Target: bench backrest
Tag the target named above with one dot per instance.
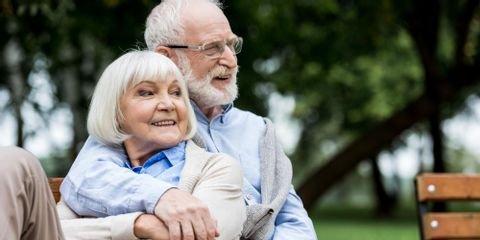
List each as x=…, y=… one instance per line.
x=447, y=187
x=55, y=187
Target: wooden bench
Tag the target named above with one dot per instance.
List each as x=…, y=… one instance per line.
x=55, y=187
x=447, y=187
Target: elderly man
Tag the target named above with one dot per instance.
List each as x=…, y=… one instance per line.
x=197, y=36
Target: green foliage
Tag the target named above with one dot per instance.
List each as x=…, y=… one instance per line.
x=348, y=64
x=55, y=164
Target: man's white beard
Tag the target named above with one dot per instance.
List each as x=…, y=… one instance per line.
x=202, y=92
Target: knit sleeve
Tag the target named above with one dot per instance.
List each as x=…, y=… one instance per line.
x=118, y=227
x=220, y=188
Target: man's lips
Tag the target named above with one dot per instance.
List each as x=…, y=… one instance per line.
x=222, y=77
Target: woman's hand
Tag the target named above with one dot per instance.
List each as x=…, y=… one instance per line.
x=185, y=216
x=148, y=226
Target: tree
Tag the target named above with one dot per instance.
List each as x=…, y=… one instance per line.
x=442, y=85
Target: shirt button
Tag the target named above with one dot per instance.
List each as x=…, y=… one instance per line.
x=249, y=198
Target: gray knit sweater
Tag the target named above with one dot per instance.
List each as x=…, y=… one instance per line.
x=276, y=180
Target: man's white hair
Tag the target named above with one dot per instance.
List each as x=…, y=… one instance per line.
x=164, y=25
x=105, y=116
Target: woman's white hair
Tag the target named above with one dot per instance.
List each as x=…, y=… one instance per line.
x=164, y=25
x=105, y=115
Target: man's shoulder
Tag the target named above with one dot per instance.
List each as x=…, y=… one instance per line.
x=247, y=115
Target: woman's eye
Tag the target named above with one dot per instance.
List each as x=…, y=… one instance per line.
x=177, y=93
x=145, y=93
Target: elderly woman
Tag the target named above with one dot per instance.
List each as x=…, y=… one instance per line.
x=141, y=107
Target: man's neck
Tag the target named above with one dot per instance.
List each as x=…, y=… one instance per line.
x=211, y=112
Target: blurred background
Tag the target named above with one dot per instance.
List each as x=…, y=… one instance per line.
x=364, y=94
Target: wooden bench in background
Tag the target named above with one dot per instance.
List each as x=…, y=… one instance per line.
x=55, y=187
x=447, y=187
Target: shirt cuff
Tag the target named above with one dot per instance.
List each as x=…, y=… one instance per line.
x=122, y=226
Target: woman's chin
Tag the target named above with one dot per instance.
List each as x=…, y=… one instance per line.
x=155, y=140
x=167, y=142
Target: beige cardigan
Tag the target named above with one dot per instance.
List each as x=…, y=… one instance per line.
x=214, y=178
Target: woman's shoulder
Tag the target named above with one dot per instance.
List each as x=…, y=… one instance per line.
x=211, y=160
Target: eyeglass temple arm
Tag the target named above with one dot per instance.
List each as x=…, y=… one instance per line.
x=177, y=46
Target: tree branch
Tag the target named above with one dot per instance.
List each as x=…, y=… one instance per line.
x=381, y=136
x=462, y=27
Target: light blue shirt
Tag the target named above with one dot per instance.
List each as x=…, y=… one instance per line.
x=165, y=165
x=101, y=182
x=238, y=133
x=96, y=186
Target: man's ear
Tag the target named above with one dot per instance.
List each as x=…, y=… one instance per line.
x=166, y=51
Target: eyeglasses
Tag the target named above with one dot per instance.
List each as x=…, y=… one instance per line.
x=215, y=49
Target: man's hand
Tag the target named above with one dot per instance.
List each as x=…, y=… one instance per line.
x=148, y=226
x=185, y=216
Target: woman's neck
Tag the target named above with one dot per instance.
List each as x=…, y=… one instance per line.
x=138, y=153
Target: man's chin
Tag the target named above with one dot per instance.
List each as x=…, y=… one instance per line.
x=214, y=100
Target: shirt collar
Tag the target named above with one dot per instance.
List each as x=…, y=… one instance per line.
x=176, y=154
x=173, y=155
x=203, y=119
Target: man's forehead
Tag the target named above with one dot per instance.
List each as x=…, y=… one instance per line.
x=204, y=21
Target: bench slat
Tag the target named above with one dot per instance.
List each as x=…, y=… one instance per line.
x=451, y=225
x=441, y=187
x=55, y=187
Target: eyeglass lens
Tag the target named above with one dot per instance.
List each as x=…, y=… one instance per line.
x=217, y=47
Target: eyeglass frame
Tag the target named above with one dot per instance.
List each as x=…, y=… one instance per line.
x=201, y=47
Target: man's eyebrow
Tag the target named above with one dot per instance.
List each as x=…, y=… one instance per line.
x=214, y=39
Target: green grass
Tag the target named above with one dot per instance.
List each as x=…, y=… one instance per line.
x=358, y=224
x=366, y=230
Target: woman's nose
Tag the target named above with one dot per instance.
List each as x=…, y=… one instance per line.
x=165, y=104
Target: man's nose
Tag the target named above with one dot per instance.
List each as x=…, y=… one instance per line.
x=228, y=58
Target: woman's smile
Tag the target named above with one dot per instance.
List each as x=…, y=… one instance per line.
x=164, y=123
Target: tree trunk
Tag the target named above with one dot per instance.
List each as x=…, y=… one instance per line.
x=385, y=202
x=17, y=87
x=20, y=123
x=381, y=136
x=437, y=148
x=368, y=144
x=74, y=98
x=79, y=131
x=307, y=146
x=437, y=141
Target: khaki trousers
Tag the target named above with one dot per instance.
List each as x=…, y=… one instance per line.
x=27, y=206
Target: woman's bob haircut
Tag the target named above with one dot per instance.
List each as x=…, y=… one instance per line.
x=105, y=115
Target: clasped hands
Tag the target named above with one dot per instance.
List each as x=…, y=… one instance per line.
x=177, y=216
